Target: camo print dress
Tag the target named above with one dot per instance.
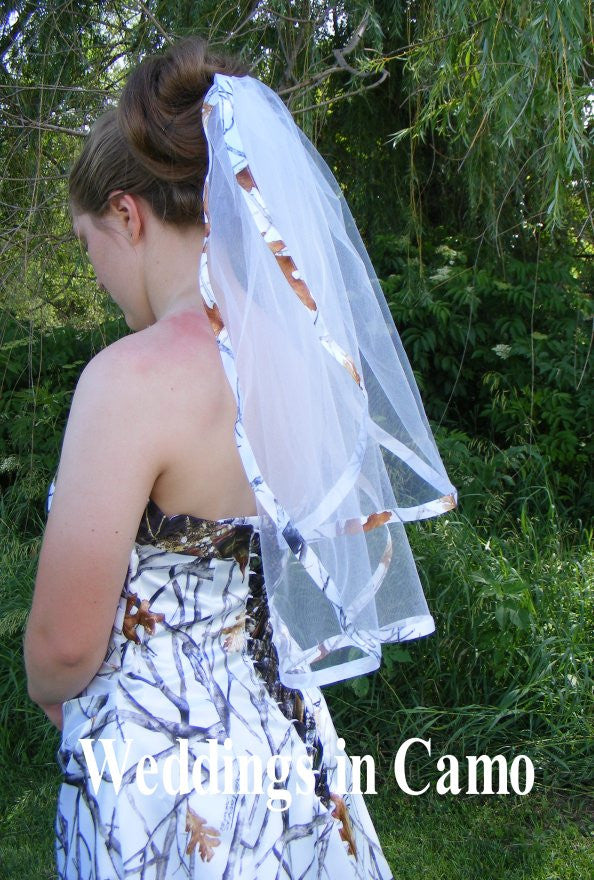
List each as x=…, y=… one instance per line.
x=165, y=754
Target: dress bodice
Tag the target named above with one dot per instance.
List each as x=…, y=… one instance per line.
x=187, y=534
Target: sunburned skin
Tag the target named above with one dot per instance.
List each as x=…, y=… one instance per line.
x=180, y=333
x=180, y=370
x=177, y=336
x=199, y=421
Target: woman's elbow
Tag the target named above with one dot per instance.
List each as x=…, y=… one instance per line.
x=56, y=671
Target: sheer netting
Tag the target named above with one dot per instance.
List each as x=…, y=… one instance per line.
x=330, y=424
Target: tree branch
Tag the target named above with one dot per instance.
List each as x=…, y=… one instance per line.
x=47, y=126
x=374, y=85
x=156, y=23
x=341, y=63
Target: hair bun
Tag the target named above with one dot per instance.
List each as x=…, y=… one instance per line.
x=153, y=145
x=160, y=109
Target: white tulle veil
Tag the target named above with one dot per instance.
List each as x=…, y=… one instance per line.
x=330, y=427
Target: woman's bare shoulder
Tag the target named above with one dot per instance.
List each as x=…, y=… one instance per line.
x=157, y=358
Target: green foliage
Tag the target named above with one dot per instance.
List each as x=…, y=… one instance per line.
x=500, y=352
x=39, y=372
x=503, y=90
x=22, y=736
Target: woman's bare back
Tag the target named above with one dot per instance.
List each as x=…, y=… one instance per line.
x=195, y=417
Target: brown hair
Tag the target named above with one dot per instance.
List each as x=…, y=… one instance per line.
x=153, y=144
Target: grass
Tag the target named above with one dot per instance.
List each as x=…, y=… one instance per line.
x=491, y=838
x=26, y=822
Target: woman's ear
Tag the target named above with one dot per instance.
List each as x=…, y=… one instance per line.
x=127, y=210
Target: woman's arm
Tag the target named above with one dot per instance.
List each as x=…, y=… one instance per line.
x=109, y=463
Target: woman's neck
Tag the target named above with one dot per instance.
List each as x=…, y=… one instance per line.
x=171, y=267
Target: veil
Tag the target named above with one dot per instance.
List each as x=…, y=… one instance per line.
x=330, y=425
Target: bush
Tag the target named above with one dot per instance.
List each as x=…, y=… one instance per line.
x=500, y=352
x=40, y=371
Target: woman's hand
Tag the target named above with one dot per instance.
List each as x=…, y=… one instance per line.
x=109, y=463
x=54, y=713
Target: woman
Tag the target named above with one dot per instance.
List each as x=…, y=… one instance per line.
x=253, y=397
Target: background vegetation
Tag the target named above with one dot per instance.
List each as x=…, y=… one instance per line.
x=461, y=133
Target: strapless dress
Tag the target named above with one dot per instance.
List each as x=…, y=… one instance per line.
x=185, y=756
